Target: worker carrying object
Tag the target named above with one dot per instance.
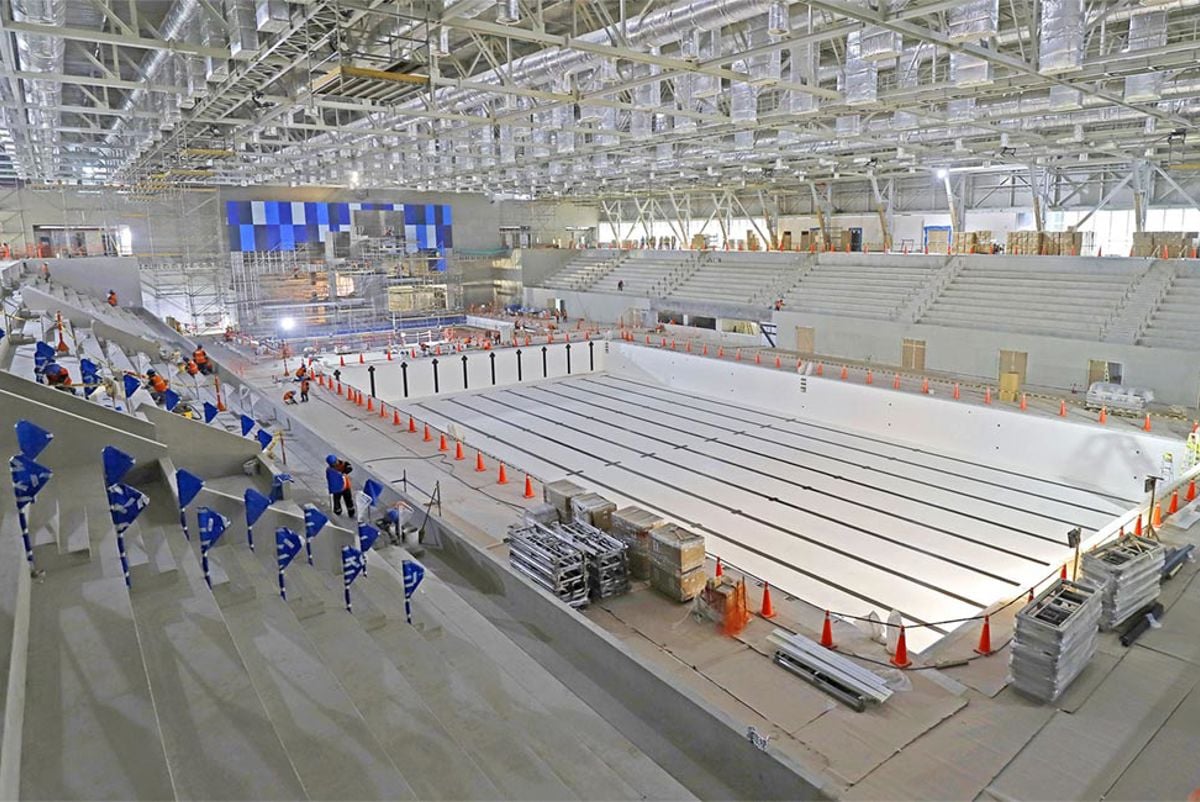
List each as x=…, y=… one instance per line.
x=201, y=360
x=337, y=477
x=57, y=376
x=289, y=397
x=157, y=386
x=301, y=372
x=305, y=384
x=112, y=298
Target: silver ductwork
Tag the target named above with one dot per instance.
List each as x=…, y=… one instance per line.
x=1060, y=49
x=860, y=80
x=40, y=53
x=1146, y=33
x=243, y=26
x=271, y=16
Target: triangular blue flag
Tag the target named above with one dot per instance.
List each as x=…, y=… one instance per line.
x=2, y=334
x=116, y=464
x=287, y=546
x=87, y=367
x=125, y=503
x=42, y=351
x=374, y=490
x=132, y=384
x=314, y=521
x=256, y=505
x=264, y=438
x=210, y=412
x=413, y=574
x=32, y=439
x=212, y=525
x=171, y=400
x=247, y=424
x=367, y=535
x=189, y=485
x=28, y=478
x=352, y=565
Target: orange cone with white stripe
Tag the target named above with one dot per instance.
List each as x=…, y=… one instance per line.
x=985, y=637
x=827, y=633
x=442, y=443
x=900, y=658
x=1062, y=409
x=528, y=487
x=1146, y=425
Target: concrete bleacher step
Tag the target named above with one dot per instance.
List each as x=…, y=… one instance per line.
x=218, y=738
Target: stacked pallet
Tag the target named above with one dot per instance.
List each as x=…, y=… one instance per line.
x=1127, y=573
x=938, y=241
x=1164, y=244
x=1024, y=243
x=676, y=562
x=550, y=561
x=1054, y=639
x=632, y=526
x=972, y=242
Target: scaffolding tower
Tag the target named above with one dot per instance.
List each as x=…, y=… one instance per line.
x=195, y=294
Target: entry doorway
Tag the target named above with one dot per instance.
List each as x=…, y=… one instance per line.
x=1101, y=370
x=806, y=338
x=1012, y=373
x=856, y=241
x=912, y=354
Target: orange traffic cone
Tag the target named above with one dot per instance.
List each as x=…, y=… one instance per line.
x=778, y=363
x=1063, y=573
x=458, y=450
x=768, y=610
x=896, y=382
x=342, y=360
x=758, y=358
x=528, y=487
x=396, y=418
x=428, y=435
x=382, y=410
x=1062, y=409
x=361, y=361
x=738, y=355
x=925, y=386
x=1137, y=529
x=704, y=350
x=985, y=637
x=900, y=658
x=870, y=377
x=1029, y=598
x=502, y=479
x=1146, y=425
x=479, y=466
x=1158, y=516
x=720, y=352
x=370, y=406
x=827, y=633
x=412, y=425
x=1174, y=508
x=987, y=395
x=1103, y=415
x=720, y=570
x=1191, y=491
x=845, y=373
x=957, y=392
x=442, y=443
x=820, y=368
x=339, y=388
x=1024, y=402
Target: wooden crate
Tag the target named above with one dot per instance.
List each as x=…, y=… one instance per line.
x=676, y=548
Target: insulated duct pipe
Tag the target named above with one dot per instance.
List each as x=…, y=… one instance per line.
x=42, y=53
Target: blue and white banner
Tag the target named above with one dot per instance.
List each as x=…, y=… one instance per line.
x=28, y=478
x=353, y=563
x=264, y=438
x=212, y=525
x=247, y=424
x=256, y=505
x=132, y=384
x=42, y=353
x=414, y=572
x=277, y=483
x=188, y=485
x=373, y=490
x=32, y=439
x=90, y=375
x=287, y=546
x=125, y=504
x=116, y=464
x=367, y=535
x=171, y=400
x=314, y=521
x=210, y=412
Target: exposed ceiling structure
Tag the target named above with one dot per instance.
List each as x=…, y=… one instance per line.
x=592, y=99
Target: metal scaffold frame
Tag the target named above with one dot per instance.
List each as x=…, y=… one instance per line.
x=195, y=293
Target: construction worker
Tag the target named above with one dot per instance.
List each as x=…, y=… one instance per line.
x=157, y=386
x=46, y=272
x=289, y=397
x=337, y=478
x=201, y=360
x=304, y=385
x=112, y=298
x=57, y=377
x=301, y=372
x=190, y=367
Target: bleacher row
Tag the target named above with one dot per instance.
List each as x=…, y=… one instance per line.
x=1068, y=297
x=165, y=687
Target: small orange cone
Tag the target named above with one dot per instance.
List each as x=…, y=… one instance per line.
x=720, y=352
x=1158, y=514
x=412, y=425
x=339, y=388
x=738, y=355
x=820, y=368
x=1063, y=573
x=396, y=418
x=1062, y=409
x=479, y=466
x=758, y=358
x=870, y=377
x=361, y=361
x=845, y=373
x=458, y=450
x=1191, y=491
x=985, y=637
x=1146, y=425
x=768, y=610
x=502, y=479
x=1024, y=402
x=925, y=386
x=1103, y=415
x=442, y=443
x=900, y=658
x=1137, y=529
x=957, y=392
x=370, y=406
x=1174, y=508
x=389, y=355
x=896, y=382
x=528, y=487
x=987, y=395
x=1029, y=598
x=342, y=359
x=704, y=350
x=720, y=570
x=382, y=410
x=428, y=435
x=827, y=633
x=778, y=363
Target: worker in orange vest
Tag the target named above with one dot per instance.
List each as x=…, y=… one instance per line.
x=304, y=386
x=112, y=298
x=157, y=386
x=201, y=360
x=190, y=367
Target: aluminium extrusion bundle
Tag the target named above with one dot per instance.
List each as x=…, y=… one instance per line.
x=840, y=677
x=1128, y=573
x=1054, y=638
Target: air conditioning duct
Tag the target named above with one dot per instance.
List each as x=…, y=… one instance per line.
x=778, y=21
x=40, y=53
x=271, y=16
x=1146, y=32
x=974, y=20
x=243, y=33
x=908, y=73
x=508, y=12
x=969, y=70
x=1060, y=49
x=212, y=34
x=860, y=81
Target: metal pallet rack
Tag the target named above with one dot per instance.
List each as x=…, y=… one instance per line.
x=545, y=557
x=1054, y=639
x=606, y=559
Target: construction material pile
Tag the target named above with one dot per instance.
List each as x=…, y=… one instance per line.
x=549, y=560
x=560, y=494
x=604, y=557
x=632, y=526
x=676, y=562
x=1127, y=573
x=1054, y=639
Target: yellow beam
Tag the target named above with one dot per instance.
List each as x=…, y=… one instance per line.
x=350, y=71
x=206, y=152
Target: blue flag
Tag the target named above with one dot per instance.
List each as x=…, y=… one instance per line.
x=256, y=505
x=42, y=353
x=28, y=478
x=189, y=485
x=352, y=565
x=210, y=412
x=132, y=384
x=247, y=424
x=90, y=375
x=125, y=503
x=264, y=438
x=367, y=535
x=413, y=574
x=116, y=464
x=171, y=400
x=277, y=483
x=32, y=439
x=314, y=521
x=212, y=525
x=87, y=367
x=374, y=490
x=287, y=546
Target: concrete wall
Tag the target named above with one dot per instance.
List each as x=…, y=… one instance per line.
x=198, y=447
x=539, y=263
x=591, y=305
x=96, y=275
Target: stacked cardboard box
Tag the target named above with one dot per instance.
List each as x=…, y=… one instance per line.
x=1024, y=243
x=938, y=241
x=972, y=242
x=593, y=509
x=632, y=526
x=1174, y=244
x=676, y=562
x=560, y=494
x=1066, y=243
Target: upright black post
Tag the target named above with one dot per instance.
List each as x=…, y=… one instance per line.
x=404, y=376
x=492, y=357
x=545, y=369
x=519, y=377
x=371, y=373
x=435, y=375
x=591, y=355
x=568, y=361
x=464, y=358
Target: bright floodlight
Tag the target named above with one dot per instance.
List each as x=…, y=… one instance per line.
x=287, y=323
x=941, y=173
